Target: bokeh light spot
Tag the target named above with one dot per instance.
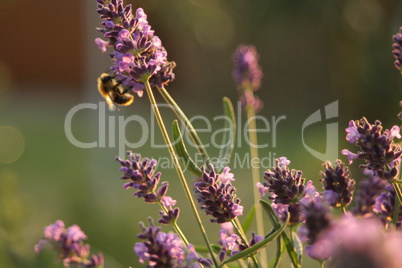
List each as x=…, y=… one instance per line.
x=12, y=144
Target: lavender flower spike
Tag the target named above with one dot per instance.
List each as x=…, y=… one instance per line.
x=69, y=245
x=138, y=54
x=159, y=249
x=216, y=197
x=358, y=242
x=141, y=176
x=247, y=72
x=166, y=249
x=247, y=75
x=338, y=183
x=367, y=192
x=286, y=185
x=397, y=50
x=377, y=148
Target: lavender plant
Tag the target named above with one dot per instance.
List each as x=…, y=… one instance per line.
x=69, y=245
x=301, y=217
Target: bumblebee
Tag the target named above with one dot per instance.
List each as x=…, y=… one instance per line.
x=113, y=91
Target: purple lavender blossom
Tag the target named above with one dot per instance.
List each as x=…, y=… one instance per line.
x=385, y=205
x=247, y=72
x=159, y=249
x=228, y=240
x=216, y=197
x=69, y=245
x=338, y=183
x=138, y=54
x=247, y=75
x=366, y=194
x=141, y=176
x=166, y=249
x=172, y=213
x=397, y=49
x=286, y=185
x=357, y=242
x=377, y=148
x=249, y=99
x=286, y=188
x=316, y=216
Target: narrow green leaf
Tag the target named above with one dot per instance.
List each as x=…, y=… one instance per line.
x=280, y=249
x=271, y=213
x=181, y=151
x=276, y=223
x=249, y=219
x=297, y=244
x=201, y=249
x=228, y=136
x=251, y=250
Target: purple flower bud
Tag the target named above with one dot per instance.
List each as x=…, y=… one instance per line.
x=225, y=176
x=261, y=188
x=353, y=134
x=102, y=44
x=167, y=201
x=54, y=231
x=75, y=234
x=351, y=156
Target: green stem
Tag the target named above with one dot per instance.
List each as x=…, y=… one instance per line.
x=255, y=172
x=397, y=192
x=175, y=225
x=396, y=212
x=343, y=209
x=178, y=167
x=182, y=116
x=322, y=264
x=239, y=229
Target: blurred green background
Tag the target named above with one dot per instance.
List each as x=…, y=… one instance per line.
x=312, y=53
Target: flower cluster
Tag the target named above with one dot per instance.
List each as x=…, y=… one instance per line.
x=378, y=149
x=217, y=195
x=286, y=185
x=367, y=192
x=138, y=54
x=357, y=242
x=69, y=245
x=165, y=249
x=286, y=188
x=338, y=184
x=247, y=75
x=231, y=243
x=316, y=219
x=142, y=177
x=385, y=205
x=316, y=216
x=228, y=240
x=397, y=52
